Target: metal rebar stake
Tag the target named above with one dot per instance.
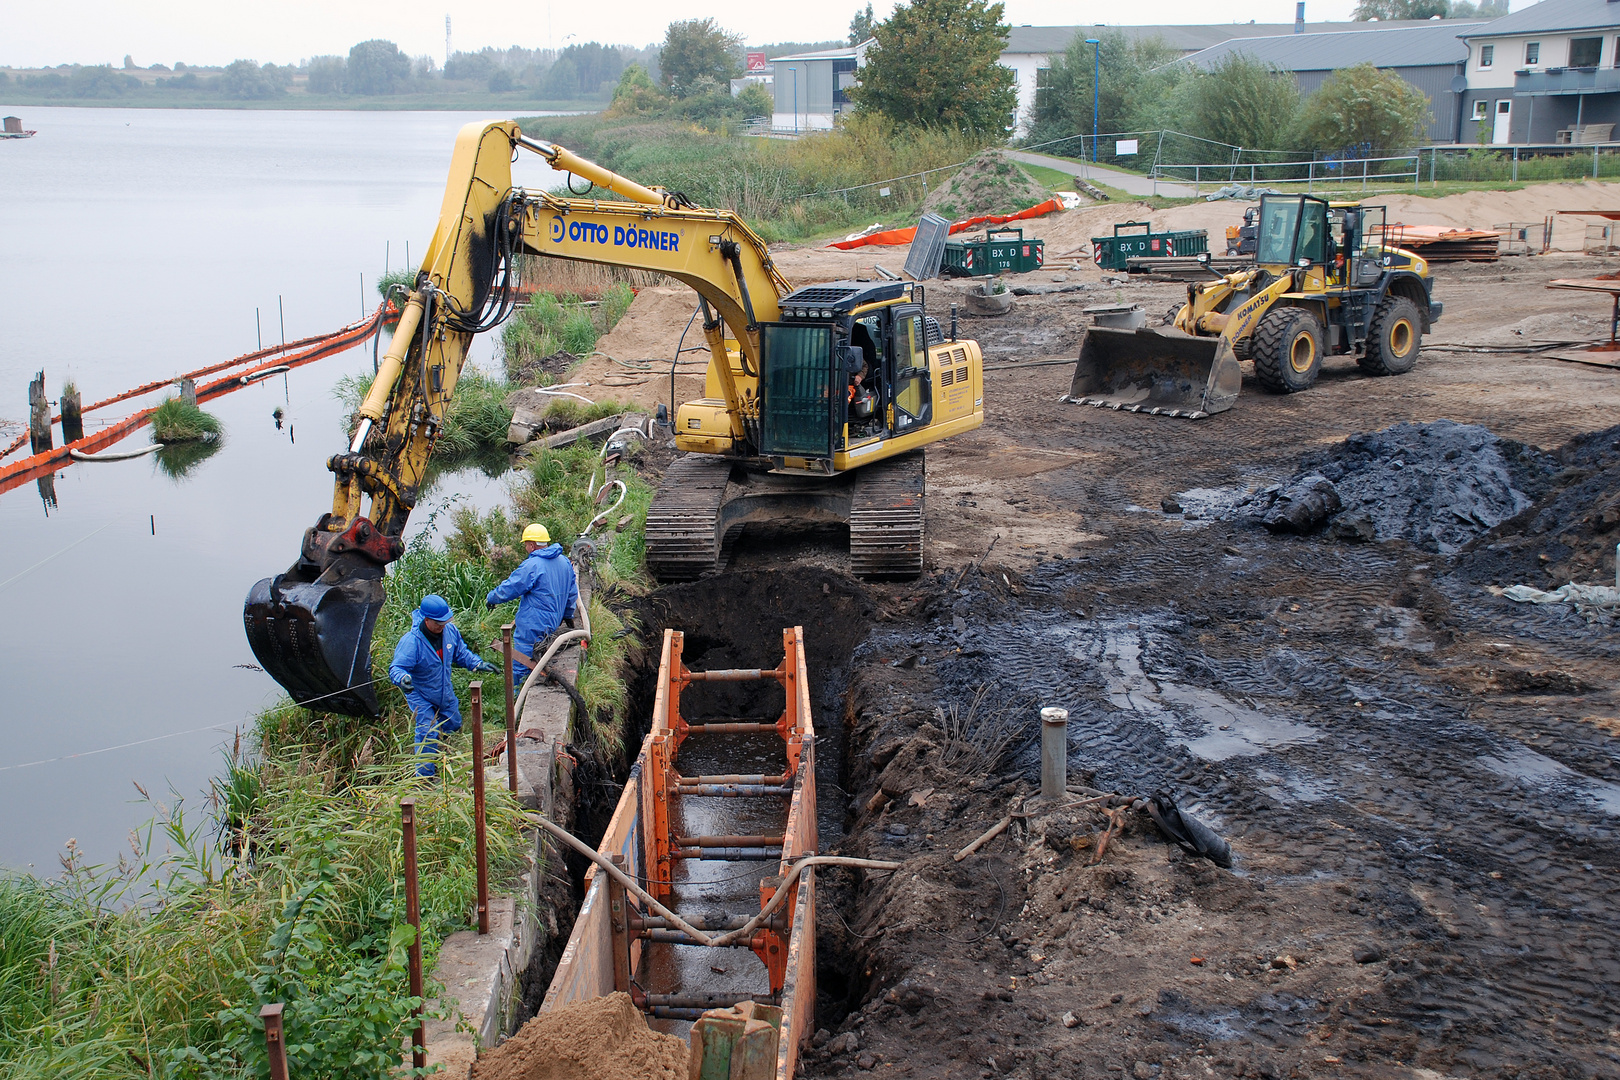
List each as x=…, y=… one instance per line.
x=413, y=915
x=511, y=717
x=480, y=841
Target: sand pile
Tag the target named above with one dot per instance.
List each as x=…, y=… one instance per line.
x=645, y=340
x=603, y=1038
x=990, y=183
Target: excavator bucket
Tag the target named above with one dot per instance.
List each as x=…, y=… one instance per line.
x=312, y=634
x=1165, y=373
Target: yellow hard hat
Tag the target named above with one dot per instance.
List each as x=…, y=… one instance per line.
x=537, y=533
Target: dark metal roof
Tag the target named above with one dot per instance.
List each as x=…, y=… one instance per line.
x=1054, y=39
x=1423, y=44
x=1554, y=15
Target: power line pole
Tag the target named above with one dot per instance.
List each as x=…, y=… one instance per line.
x=447, y=40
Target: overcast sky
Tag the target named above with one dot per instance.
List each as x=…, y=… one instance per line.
x=285, y=31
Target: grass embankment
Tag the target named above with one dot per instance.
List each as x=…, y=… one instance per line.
x=786, y=189
x=293, y=890
x=177, y=421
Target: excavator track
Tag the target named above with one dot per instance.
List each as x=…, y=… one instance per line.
x=683, y=521
x=886, y=518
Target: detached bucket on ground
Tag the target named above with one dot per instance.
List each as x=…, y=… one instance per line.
x=1163, y=373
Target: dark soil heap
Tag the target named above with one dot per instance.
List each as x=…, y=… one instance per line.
x=1438, y=486
x=1569, y=533
x=604, y=1038
x=990, y=183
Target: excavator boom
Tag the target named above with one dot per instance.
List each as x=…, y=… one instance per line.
x=311, y=626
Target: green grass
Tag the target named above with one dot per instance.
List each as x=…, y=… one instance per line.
x=475, y=424
x=549, y=324
x=176, y=421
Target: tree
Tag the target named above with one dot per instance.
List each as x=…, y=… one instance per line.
x=326, y=74
x=1385, y=10
x=1361, y=110
x=695, y=48
x=245, y=80
x=635, y=93
x=501, y=81
x=1138, y=90
x=755, y=100
x=584, y=70
x=1485, y=9
x=937, y=62
x=1242, y=102
x=377, y=67
x=860, y=27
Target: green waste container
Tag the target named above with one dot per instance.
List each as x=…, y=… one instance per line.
x=998, y=251
x=1137, y=240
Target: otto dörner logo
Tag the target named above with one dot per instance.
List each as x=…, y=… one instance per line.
x=589, y=232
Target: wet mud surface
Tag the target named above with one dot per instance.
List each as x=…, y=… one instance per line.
x=1420, y=780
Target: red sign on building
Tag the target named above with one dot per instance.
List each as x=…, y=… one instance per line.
x=757, y=61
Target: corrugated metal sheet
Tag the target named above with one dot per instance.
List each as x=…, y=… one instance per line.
x=1553, y=15
x=1420, y=45
x=1054, y=39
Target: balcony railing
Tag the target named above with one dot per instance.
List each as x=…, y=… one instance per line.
x=1567, y=80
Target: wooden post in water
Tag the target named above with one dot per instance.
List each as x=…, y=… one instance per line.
x=413, y=915
x=275, y=1042
x=511, y=716
x=188, y=391
x=479, y=839
x=39, y=415
x=72, y=417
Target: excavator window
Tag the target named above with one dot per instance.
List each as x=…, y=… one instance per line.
x=802, y=390
x=912, y=397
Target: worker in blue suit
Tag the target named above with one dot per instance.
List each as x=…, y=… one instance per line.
x=547, y=591
x=421, y=668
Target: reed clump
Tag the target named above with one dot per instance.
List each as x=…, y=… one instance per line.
x=177, y=420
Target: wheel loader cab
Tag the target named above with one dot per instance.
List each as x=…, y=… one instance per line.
x=1293, y=231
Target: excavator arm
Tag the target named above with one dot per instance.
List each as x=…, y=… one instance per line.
x=311, y=627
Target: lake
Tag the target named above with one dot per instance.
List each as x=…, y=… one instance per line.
x=138, y=244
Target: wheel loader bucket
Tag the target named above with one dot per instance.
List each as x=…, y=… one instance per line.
x=314, y=636
x=1165, y=373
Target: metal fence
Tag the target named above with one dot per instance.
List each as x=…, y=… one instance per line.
x=1402, y=169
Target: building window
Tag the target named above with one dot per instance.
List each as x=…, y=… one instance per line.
x=1532, y=52
x=1487, y=54
x=1481, y=109
x=843, y=79
x=1585, y=52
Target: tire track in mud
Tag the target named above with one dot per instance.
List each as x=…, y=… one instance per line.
x=1310, y=721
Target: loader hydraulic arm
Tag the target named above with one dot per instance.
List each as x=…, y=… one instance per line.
x=311, y=627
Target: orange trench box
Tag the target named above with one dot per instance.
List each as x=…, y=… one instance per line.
x=615, y=944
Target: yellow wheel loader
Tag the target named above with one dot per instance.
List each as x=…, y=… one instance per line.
x=1325, y=281
x=818, y=401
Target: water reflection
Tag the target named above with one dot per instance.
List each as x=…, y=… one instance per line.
x=47, y=492
x=178, y=460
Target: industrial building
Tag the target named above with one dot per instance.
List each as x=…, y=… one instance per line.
x=1547, y=74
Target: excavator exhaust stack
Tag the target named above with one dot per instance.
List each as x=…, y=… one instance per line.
x=311, y=630
x=1162, y=373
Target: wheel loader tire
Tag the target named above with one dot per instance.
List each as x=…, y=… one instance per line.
x=1393, y=339
x=1287, y=351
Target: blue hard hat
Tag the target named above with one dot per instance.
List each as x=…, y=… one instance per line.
x=435, y=607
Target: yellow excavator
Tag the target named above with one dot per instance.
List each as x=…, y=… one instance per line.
x=1328, y=278
x=818, y=401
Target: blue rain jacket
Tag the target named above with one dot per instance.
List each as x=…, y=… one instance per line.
x=549, y=593
x=431, y=691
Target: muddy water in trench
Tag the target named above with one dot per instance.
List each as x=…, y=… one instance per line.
x=138, y=244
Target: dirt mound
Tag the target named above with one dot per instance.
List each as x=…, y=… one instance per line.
x=990, y=183
x=601, y=1039
x=1569, y=533
x=631, y=362
x=1438, y=486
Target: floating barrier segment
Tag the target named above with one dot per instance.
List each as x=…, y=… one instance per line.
x=609, y=948
x=264, y=362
